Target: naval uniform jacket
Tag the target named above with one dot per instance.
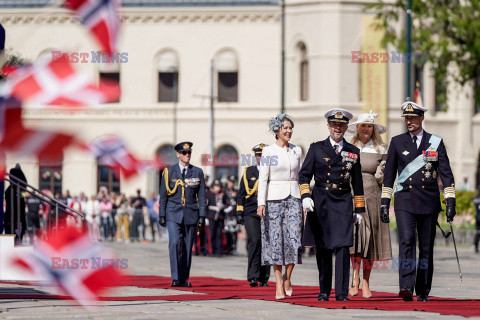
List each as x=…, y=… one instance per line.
x=331, y=223
x=419, y=192
x=182, y=200
x=247, y=192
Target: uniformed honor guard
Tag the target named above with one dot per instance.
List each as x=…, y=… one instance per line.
x=418, y=157
x=182, y=207
x=247, y=213
x=335, y=165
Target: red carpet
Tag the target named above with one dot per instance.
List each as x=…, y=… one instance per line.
x=217, y=289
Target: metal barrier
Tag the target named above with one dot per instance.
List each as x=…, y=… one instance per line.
x=22, y=185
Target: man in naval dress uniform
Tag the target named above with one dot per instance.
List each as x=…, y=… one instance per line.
x=247, y=213
x=182, y=206
x=419, y=158
x=335, y=165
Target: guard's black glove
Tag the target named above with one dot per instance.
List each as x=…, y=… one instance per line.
x=240, y=219
x=162, y=221
x=450, y=213
x=384, y=215
x=201, y=222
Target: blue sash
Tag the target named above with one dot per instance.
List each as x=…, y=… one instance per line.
x=417, y=163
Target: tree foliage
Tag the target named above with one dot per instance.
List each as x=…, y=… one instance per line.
x=448, y=31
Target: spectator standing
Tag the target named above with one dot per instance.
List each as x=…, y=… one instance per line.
x=152, y=214
x=123, y=218
x=137, y=225
x=105, y=208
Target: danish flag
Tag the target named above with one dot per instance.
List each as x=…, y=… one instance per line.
x=112, y=151
x=57, y=83
x=69, y=261
x=101, y=18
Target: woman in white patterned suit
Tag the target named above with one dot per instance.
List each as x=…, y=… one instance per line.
x=279, y=204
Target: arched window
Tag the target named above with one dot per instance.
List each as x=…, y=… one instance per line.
x=165, y=156
x=303, y=68
x=51, y=175
x=227, y=163
x=109, y=74
x=226, y=65
x=167, y=67
x=107, y=177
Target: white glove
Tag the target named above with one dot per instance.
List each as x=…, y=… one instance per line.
x=308, y=204
x=357, y=218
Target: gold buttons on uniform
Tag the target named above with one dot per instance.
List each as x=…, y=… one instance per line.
x=328, y=174
x=328, y=181
x=423, y=179
x=410, y=179
x=411, y=187
x=339, y=188
x=343, y=168
x=423, y=171
x=329, y=167
x=423, y=187
x=326, y=188
x=341, y=175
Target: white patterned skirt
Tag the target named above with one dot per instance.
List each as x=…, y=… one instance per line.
x=282, y=232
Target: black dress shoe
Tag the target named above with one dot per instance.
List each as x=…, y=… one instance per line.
x=423, y=298
x=175, y=283
x=323, y=297
x=406, y=294
x=185, y=284
x=264, y=283
x=253, y=283
x=342, y=298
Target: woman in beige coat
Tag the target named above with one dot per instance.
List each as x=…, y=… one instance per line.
x=374, y=236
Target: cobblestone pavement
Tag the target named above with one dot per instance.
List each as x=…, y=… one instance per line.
x=152, y=259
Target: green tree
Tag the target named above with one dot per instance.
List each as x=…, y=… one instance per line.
x=447, y=31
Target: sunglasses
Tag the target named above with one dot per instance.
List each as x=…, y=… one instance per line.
x=186, y=152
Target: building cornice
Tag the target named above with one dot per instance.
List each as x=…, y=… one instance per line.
x=141, y=16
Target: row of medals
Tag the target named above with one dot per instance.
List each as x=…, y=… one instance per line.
x=428, y=174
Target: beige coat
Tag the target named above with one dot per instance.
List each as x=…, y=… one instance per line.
x=374, y=236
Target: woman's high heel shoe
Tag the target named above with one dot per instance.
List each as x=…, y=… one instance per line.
x=287, y=292
x=280, y=297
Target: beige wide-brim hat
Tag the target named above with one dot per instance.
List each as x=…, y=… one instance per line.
x=368, y=118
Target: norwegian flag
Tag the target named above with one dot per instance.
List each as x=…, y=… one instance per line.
x=15, y=138
x=43, y=144
x=57, y=83
x=69, y=261
x=101, y=18
x=112, y=151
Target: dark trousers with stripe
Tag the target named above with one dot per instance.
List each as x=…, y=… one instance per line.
x=416, y=273
x=255, y=269
x=180, y=246
x=325, y=268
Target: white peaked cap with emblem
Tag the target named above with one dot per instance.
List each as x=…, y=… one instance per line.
x=367, y=118
x=410, y=108
x=338, y=115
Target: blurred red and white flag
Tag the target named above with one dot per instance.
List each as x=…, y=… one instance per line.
x=68, y=261
x=15, y=138
x=45, y=145
x=101, y=18
x=56, y=82
x=112, y=151
x=10, y=117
